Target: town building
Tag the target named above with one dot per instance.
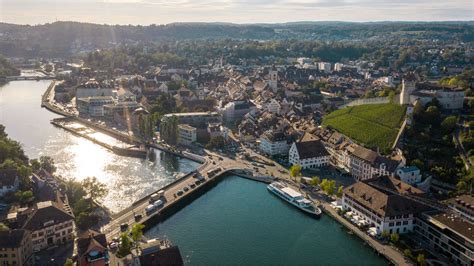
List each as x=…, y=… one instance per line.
x=186, y=134
x=366, y=164
x=409, y=174
x=236, y=110
x=325, y=67
x=273, y=106
x=308, y=152
x=92, y=249
x=274, y=143
x=449, y=97
x=16, y=247
x=380, y=209
x=48, y=222
x=273, y=82
x=449, y=234
x=197, y=119
x=93, y=106
x=9, y=181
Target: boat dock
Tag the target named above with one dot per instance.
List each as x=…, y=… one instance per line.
x=118, y=147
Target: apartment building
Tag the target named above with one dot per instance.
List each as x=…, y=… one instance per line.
x=16, y=247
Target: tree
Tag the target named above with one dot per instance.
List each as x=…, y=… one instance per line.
x=69, y=262
x=4, y=227
x=315, y=180
x=137, y=232
x=47, y=163
x=421, y=259
x=385, y=234
x=328, y=186
x=35, y=165
x=125, y=245
x=295, y=170
x=94, y=189
x=449, y=124
x=340, y=191
x=433, y=115
x=394, y=238
x=407, y=253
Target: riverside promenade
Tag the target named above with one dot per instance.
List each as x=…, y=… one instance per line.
x=392, y=254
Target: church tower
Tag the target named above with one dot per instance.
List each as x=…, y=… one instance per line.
x=408, y=86
x=273, y=82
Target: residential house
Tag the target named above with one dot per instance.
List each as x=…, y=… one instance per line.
x=9, y=181
x=92, y=249
x=309, y=152
x=274, y=143
x=380, y=209
x=16, y=247
x=48, y=222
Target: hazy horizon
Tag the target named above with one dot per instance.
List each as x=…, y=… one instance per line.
x=146, y=12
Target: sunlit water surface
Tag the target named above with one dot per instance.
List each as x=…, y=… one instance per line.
x=127, y=179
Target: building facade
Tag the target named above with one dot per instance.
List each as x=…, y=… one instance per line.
x=93, y=106
x=16, y=247
x=186, y=134
x=274, y=143
x=309, y=153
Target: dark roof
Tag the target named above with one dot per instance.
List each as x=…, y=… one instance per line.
x=168, y=256
x=381, y=203
x=311, y=149
x=7, y=177
x=44, y=212
x=84, y=241
x=393, y=184
x=12, y=238
x=450, y=222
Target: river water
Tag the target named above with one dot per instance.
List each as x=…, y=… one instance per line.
x=127, y=179
x=237, y=222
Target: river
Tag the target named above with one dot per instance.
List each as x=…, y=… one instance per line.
x=127, y=179
x=237, y=222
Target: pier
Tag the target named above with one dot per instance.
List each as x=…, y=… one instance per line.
x=77, y=128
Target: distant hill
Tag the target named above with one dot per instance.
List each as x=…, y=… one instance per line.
x=373, y=125
x=62, y=38
x=7, y=69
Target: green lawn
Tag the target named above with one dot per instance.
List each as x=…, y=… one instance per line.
x=371, y=125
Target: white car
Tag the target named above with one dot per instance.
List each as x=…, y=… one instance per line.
x=158, y=203
x=150, y=208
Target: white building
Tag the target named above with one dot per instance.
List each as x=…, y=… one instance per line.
x=310, y=154
x=9, y=182
x=366, y=164
x=450, y=98
x=93, y=106
x=273, y=107
x=338, y=66
x=236, y=110
x=304, y=60
x=274, y=143
x=273, y=82
x=186, y=134
x=383, y=211
x=325, y=67
x=49, y=223
x=409, y=174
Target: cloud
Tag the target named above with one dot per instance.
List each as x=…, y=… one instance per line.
x=239, y=11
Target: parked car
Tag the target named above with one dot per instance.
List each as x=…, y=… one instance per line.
x=179, y=193
x=138, y=217
x=123, y=227
x=192, y=185
x=186, y=189
x=158, y=203
x=113, y=245
x=150, y=208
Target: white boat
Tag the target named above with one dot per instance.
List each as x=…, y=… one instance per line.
x=294, y=197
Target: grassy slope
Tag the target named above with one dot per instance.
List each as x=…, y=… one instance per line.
x=371, y=125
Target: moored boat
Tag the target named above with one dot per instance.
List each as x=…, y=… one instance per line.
x=293, y=197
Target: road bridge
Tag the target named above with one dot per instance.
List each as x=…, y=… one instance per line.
x=211, y=170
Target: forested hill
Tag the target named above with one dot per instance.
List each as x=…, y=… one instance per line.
x=62, y=37
x=7, y=69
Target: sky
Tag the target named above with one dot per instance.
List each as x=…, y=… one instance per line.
x=146, y=12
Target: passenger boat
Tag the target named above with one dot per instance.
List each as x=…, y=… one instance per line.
x=294, y=198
